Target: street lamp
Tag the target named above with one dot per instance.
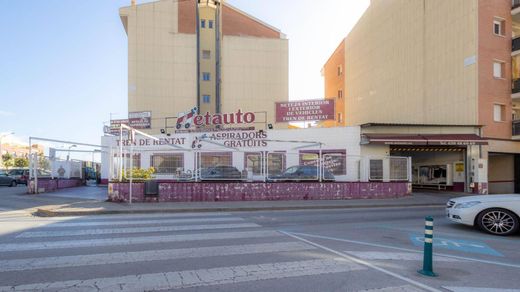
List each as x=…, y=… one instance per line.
x=68, y=154
x=2, y=136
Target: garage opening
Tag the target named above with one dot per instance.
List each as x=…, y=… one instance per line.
x=440, y=168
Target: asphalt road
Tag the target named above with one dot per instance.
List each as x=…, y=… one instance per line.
x=313, y=250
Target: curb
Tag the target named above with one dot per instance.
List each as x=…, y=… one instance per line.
x=52, y=213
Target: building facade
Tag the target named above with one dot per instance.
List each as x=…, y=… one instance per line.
x=432, y=80
x=205, y=54
x=333, y=73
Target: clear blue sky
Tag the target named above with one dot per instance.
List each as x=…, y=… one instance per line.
x=63, y=63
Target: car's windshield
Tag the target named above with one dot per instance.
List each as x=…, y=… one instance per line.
x=291, y=170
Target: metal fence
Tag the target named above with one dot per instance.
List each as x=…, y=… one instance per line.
x=264, y=166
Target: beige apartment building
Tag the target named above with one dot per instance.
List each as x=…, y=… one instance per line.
x=437, y=80
x=207, y=54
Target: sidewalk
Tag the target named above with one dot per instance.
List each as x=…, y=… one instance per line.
x=98, y=207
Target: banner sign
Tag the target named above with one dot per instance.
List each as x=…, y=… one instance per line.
x=305, y=110
x=136, y=120
x=140, y=120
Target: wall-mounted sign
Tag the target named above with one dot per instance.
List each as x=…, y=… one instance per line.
x=140, y=120
x=191, y=118
x=136, y=120
x=305, y=110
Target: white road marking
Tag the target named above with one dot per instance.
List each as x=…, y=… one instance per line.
x=142, y=222
x=145, y=215
x=410, y=250
x=32, y=234
x=405, y=288
x=398, y=256
x=476, y=289
x=148, y=255
x=364, y=263
x=197, y=278
x=119, y=241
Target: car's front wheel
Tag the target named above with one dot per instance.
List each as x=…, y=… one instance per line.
x=498, y=221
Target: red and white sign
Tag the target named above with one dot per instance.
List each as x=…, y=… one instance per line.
x=136, y=120
x=305, y=110
x=186, y=120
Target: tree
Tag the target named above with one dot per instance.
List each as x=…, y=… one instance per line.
x=7, y=160
x=21, y=162
x=43, y=162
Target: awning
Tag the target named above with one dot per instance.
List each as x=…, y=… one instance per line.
x=434, y=139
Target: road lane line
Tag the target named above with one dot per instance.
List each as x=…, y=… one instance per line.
x=477, y=289
x=33, y=234
x=141, y=222
x=398, y=256
x=408, y=249
x=120, y=241
x=140, y=215
x=197, y=278
x=405, y=288
x=148, y=255
x=364, y=263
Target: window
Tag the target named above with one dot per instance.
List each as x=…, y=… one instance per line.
x=254, y=163
x=498, y=112
x=167, y=163
x=499, y=27
x=203, y=23
x=206, y=54
x=206, y=99
x=340, y=93
x=210, y=23
x=276, y=163
x=340, y=70
x=498, y=69
x=136, y=163
x=216, y=159
x=205, y=76
x=340, y=117
x=334, y=161
x=376, y=169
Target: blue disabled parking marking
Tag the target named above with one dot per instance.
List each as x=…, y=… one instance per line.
x=471, y=246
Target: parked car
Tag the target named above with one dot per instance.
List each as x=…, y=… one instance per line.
x=495, y=214
x=20, y=174
x=220, y=172
x=302, y=173
x=6, y=180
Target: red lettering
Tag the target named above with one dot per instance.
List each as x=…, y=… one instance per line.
x=249, y=117
x=198, y=120
x=206, y=117
x=239, y=117
x=217, y=120
x=229, y=119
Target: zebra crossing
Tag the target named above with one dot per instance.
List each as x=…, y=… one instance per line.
x=157, y=252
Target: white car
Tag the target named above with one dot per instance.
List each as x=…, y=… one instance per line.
x=495, y=214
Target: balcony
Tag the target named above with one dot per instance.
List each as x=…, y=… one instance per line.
x=515, y=46
x=515, y=11
x=515, y=86
x=516, y=128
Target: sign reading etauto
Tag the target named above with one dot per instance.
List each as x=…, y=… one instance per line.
x=305, y=110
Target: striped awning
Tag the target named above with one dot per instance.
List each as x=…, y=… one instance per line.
x=434, y=139
x=425, y=149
